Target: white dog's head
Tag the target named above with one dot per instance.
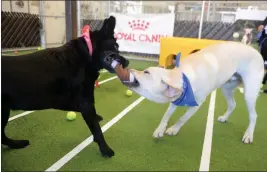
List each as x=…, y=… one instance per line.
x=248, y=31
x=158, y=84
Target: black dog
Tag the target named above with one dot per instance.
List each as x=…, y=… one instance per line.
x=262, y=40
x=60, y=78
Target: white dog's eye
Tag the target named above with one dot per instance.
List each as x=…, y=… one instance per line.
x=146, y=72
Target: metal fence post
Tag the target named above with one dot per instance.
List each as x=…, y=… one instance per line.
x=208, y=13
x=74, y=22
x=68, y=20
x=42, y=31
x=201, y=20
x=78, y=18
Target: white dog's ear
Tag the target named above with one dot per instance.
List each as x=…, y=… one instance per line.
x=172, y=88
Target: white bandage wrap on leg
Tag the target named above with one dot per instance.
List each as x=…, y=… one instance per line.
x=114, y=64
x=131, y=79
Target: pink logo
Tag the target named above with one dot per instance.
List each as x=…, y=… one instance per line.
x=138, y=24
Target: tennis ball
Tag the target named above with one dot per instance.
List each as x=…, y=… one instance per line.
x=71, y=115
x=129, y=93
x=236, y=35
x=39, y=48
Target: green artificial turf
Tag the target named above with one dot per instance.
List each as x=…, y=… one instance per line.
x=135, y=148
x=228, y=152
x=22, y=52
x=52, y=136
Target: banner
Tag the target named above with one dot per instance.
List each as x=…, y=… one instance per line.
x=141, y=33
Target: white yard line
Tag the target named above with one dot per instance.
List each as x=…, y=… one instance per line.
x=29, y=112
x=61, y=162
x=20, y=115
x=106, y=80
x=206, y=151
x=8, y=55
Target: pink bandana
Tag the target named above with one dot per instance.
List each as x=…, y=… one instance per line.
x=86, y=36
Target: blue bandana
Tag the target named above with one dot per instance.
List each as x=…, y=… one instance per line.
x=187, y=98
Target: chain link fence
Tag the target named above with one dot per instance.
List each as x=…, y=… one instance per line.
x=32, y=24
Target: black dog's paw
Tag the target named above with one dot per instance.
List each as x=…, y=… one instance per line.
x=17, y=144
x=99, y=118
x=107, y=152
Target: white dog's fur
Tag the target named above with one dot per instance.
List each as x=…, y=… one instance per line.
x=225, y=65
x=247, y=38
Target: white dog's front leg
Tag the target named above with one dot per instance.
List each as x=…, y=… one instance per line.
x=159, y=132
x=173, y=130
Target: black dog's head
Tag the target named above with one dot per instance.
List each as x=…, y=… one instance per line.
x=105, y=46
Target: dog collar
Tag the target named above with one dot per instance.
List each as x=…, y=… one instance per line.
x=86, y=36
x=187, y=98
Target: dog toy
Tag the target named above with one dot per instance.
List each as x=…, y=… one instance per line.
x=129, y=93
x=39, y=48
x=71, y=116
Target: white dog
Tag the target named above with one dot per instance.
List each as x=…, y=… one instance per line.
x=224, y=65
x=247, y=38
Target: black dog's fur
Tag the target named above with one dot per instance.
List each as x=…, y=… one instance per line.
x=58, y=78
x=263, y=41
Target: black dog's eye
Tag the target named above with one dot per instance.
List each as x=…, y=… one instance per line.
x=146, y=72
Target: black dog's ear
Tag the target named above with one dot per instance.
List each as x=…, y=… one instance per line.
x=111, y=23
x=109, y=26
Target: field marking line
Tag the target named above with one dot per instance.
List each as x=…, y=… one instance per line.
x=61, y=162
x=8, y=55
x=206, y=151
x=20, y=115
x=29, y=112
x=106, y=80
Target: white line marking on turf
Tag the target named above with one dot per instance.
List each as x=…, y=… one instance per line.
x=106, y=80
x=56, y=166
x=206, y=151
x=29, y=112
x=20, y=115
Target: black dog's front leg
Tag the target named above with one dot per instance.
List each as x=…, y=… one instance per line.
x=89, y=115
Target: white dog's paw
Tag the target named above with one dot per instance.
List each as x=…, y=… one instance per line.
x=248, y=137
x=173, y=130
x=159, y=132
x=222, y=119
